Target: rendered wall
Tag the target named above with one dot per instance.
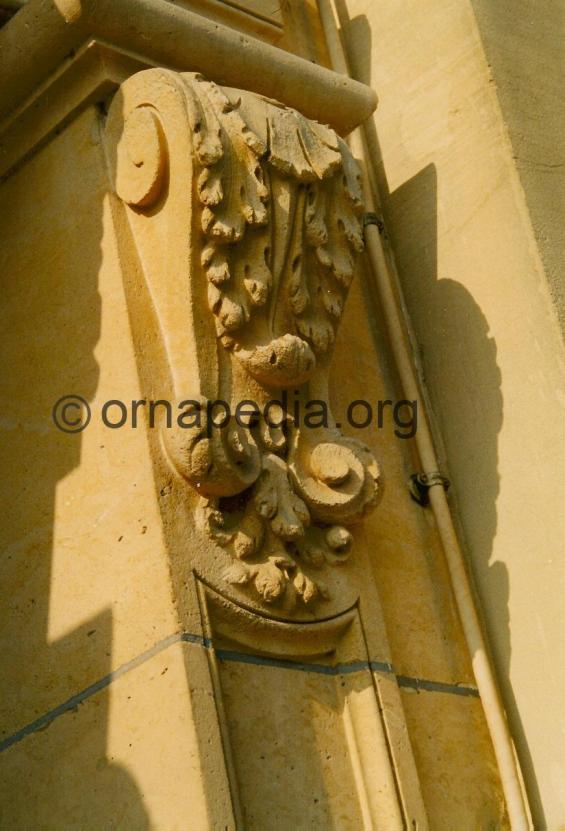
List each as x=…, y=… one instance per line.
x=472, y=219
x=523, y=44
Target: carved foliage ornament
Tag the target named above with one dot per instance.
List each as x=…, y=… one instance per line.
x=242, y=205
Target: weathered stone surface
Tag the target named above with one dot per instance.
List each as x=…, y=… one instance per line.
x=208, y=627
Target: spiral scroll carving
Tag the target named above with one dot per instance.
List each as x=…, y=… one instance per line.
x=142, y=158
x=273, y=231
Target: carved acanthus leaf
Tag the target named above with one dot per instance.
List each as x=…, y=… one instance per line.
x=284, y=526
x=280, y=200
x=272, y=206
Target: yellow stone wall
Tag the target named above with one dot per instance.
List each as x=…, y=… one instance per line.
x=90, y=610
x=468, y=132
x=124, y=701
x=85, y=575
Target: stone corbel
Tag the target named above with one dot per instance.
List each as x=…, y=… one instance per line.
x=244, y=226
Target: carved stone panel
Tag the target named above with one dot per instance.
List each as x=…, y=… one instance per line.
x=244, y=223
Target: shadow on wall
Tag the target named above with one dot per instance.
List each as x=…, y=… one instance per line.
x=458, y=357
x=59, y=775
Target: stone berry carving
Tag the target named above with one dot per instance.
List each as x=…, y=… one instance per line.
x=264, y=208
x=294, y=515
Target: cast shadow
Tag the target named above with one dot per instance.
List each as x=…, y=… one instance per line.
x=57, y=774
x=459, y=360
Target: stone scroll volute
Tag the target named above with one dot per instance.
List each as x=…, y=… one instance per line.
x=244, y=223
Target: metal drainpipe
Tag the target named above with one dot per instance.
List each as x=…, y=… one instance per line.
x=388, y=289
